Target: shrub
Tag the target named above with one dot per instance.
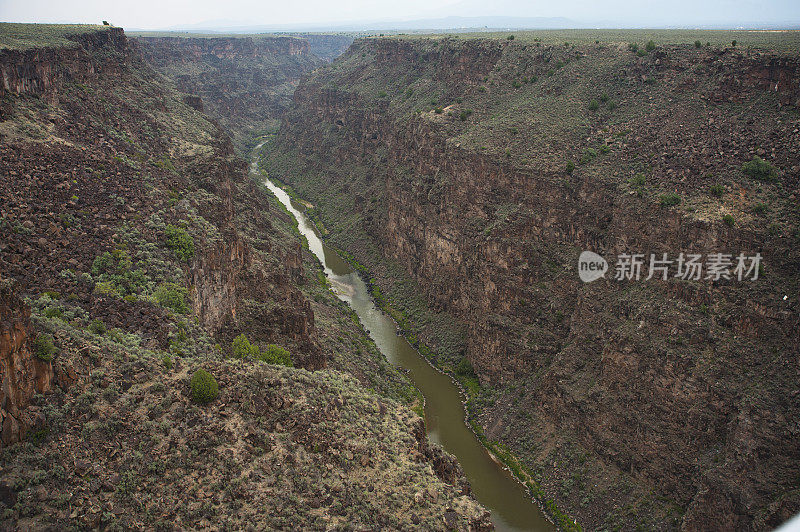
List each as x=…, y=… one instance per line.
x=638, y=180
x=760, y=170
x=43, y=347
x=570, y=167
x=733, y=43
x=633, y=47
x=179, y=241
x=604, y=97
x=669, y=200
x=465, y=114
x=464, y=368
x=510, y=37
x=172, y=296
x=97, y=327
x=275, y=354
x=242, y=348
x=594, y=105
x=204, y=387
x=53, y=312
x=167, y=361
x=588, y=155
x=516, y=84
x=728, y=220
x=105, y=288
x=716, y=190
x=438, y=110
x=605, y=148
x=382, y=94
x=760, y=208
x=697, y=44
x=650, y=46
x=102, y=263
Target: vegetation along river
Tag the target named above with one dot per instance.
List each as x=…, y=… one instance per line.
x=495, y=488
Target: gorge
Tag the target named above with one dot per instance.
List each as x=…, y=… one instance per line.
x=458, y=178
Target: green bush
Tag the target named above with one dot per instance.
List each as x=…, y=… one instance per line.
x=716, y=190
x=275, y=354
x=97, y=327
x=588, y=155
x=382, y=94
x=242, y=348
x=650, y=46
x=604, y=97
x=633, y=47
x=760, y=170
x=637, y=183
x=570, y=167
x=172, y=296
x=179, y=241
x=510, y=37
x=698, y=44
x=728, y=220
x=670, y=199
x=733, y=42
x=53, y=312
x=204, y=387
x=594, y=105
x=167, y=361
x=115, y=275
x=760, y=208
x=43, y=347
x=464, y=368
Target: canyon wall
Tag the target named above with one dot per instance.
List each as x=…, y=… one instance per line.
x=22, y=373
x=482, y=168
x=244, y=82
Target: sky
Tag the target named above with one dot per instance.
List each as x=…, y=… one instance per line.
x=161, y=14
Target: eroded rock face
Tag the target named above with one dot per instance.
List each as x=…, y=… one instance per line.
x=22, y=374
x=39, y=71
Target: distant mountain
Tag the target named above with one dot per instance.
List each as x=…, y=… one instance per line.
x=442, y=23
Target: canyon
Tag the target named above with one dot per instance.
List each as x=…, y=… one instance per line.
x=461, y=176
x=170, y=353
x=466, y=175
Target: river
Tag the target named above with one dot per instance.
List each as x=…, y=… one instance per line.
x=494, y=487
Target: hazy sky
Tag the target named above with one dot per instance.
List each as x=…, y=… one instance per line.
x=155, y=14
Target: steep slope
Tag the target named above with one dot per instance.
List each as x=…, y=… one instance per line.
x=244, y=82
x=467, y=175
x=143, y=252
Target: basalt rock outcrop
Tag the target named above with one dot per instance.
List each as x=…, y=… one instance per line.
x=22, y=373
x=479, y=169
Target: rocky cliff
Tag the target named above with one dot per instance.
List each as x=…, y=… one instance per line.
x=475, y=171
x=244, y=82
x=146, y=251
x=22, y=373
